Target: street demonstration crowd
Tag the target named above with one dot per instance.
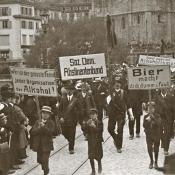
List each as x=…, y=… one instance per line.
x=84, y=103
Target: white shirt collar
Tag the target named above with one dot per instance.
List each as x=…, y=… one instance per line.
x=83, y=94
x=69, y=97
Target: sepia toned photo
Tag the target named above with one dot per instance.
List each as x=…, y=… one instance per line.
x=87, y=87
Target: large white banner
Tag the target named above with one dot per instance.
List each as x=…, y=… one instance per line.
x=82, y=66
x=152, y=60
x=30, y=81
x=149, y=77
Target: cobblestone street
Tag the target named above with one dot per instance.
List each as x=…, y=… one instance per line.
x=133, y=160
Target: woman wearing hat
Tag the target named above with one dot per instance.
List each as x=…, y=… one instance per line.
x=41, y=138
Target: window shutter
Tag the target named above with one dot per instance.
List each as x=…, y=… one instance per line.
x=0, y=11
x=9, y=11
x=9, y=24
x=0, y=24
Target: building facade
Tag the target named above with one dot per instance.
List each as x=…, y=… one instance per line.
x=140, y=21
x=18, y=27
x=20, y=22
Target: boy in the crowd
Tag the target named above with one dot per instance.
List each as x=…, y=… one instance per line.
x=41, y=138
x=153, y=127
x=94, y=129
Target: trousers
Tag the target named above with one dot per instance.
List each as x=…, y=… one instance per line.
x=118, y=137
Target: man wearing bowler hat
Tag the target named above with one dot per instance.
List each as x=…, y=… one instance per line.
x=68, y=110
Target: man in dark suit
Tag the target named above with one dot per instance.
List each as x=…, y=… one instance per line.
x=85, y=103
x=117, y=112
x=68, y=111
x=137, y=98
x=164, y=105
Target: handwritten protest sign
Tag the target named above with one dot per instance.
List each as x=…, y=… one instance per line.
x=149, y=77
x=36, y=82
x=82, y=66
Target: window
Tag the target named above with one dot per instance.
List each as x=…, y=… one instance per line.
x=24, y=39
x=23, y=24
x=5, y=24
x=30, y=25
x=22, y=10
x=5, y=11
x=37, y=25
x=138, y=19
x=26, y=10
x=4, y=40
x=123, y=23
x=159, y=18
x=30, y=11
x=4, y=54
x=31, y=39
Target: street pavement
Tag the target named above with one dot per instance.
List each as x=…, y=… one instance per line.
x=134, y=159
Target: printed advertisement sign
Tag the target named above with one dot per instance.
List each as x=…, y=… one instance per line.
x=36, y=82
x=82, y=66
x=149, y=77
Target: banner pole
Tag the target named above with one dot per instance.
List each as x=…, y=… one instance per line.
x=38, y=107
x=149, y=95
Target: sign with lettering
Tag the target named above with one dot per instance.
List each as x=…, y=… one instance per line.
x=152, y=60
x=36, y=82
x=82, y=66
x=149, y=77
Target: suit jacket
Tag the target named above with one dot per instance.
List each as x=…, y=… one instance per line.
x=85, y=104
x=164, y=106
x=69, y=109
x=41, y=137
x=118, y=105
x=153, y=127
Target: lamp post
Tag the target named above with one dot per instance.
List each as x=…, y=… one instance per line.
x=44, y=23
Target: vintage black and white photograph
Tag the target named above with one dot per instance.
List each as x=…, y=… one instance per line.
x=87, y=87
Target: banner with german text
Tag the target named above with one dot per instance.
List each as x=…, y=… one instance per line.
x=149, y=77
x=82, y=66
x=36, y=82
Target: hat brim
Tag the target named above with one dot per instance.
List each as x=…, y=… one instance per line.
x=45, y=110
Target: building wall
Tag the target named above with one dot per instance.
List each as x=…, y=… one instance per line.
x=156, y=19
x=16, y=31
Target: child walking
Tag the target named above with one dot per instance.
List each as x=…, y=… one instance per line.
x=41, y=138
x=153, y=126
x=94, y=129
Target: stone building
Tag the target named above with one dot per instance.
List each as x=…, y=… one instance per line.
x=140, y=21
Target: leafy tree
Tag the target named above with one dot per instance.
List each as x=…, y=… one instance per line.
x=65, y=39
x=74, y=38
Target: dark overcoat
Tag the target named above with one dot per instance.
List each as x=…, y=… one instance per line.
x=95, y=139
x=41, y=137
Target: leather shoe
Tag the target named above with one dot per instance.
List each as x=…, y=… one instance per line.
x=15, y=167
x=131, y=137
x=119, y=150
x=71, y=151
x=137, y=135
x=19, y=162
x=166, y=153
x=156, y=165
x=151, y=165
x=11, y=171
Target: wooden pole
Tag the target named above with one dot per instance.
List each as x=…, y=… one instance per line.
x=38, y=107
